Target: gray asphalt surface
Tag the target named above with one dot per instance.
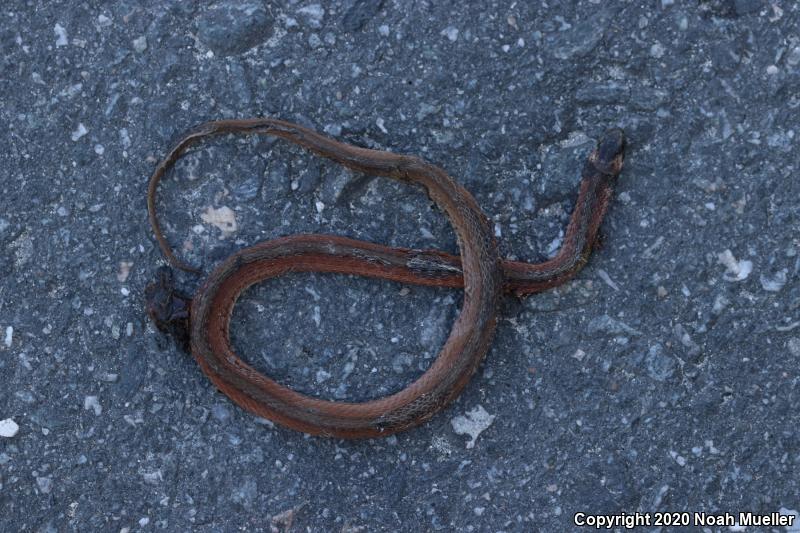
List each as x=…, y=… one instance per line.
x=664, y=378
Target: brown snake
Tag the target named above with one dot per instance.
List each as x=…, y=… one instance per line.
x=203, y=321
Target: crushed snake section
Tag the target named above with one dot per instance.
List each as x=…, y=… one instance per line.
x=203, y=321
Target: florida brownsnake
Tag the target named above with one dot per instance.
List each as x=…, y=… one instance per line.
x=204, y=320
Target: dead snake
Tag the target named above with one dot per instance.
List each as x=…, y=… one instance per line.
x=202, y=322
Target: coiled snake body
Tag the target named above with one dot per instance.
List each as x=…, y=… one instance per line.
x=203, y=322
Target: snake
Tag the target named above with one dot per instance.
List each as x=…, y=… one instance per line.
x=201, y=323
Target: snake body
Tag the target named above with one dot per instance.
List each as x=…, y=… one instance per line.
x=203, y=322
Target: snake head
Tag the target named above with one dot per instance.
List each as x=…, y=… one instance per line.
x=609, y=155
x=168, y=308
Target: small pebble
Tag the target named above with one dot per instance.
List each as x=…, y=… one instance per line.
x=124, y=270
x=793, y=57
x=473, y=423
x=140, y=44
x=45, y=484
x=92, y=403
x=220, y=412
x=313, y=14
x=737, y=270
x=657, y=51
x=9, y=338
x=79, y=132
x=774, y=283
x=223, y=218
x=8, y=428
x=314, y=41
x=61, y=35
x=451, y=33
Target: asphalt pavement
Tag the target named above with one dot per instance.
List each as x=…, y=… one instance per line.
x=665, y=377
